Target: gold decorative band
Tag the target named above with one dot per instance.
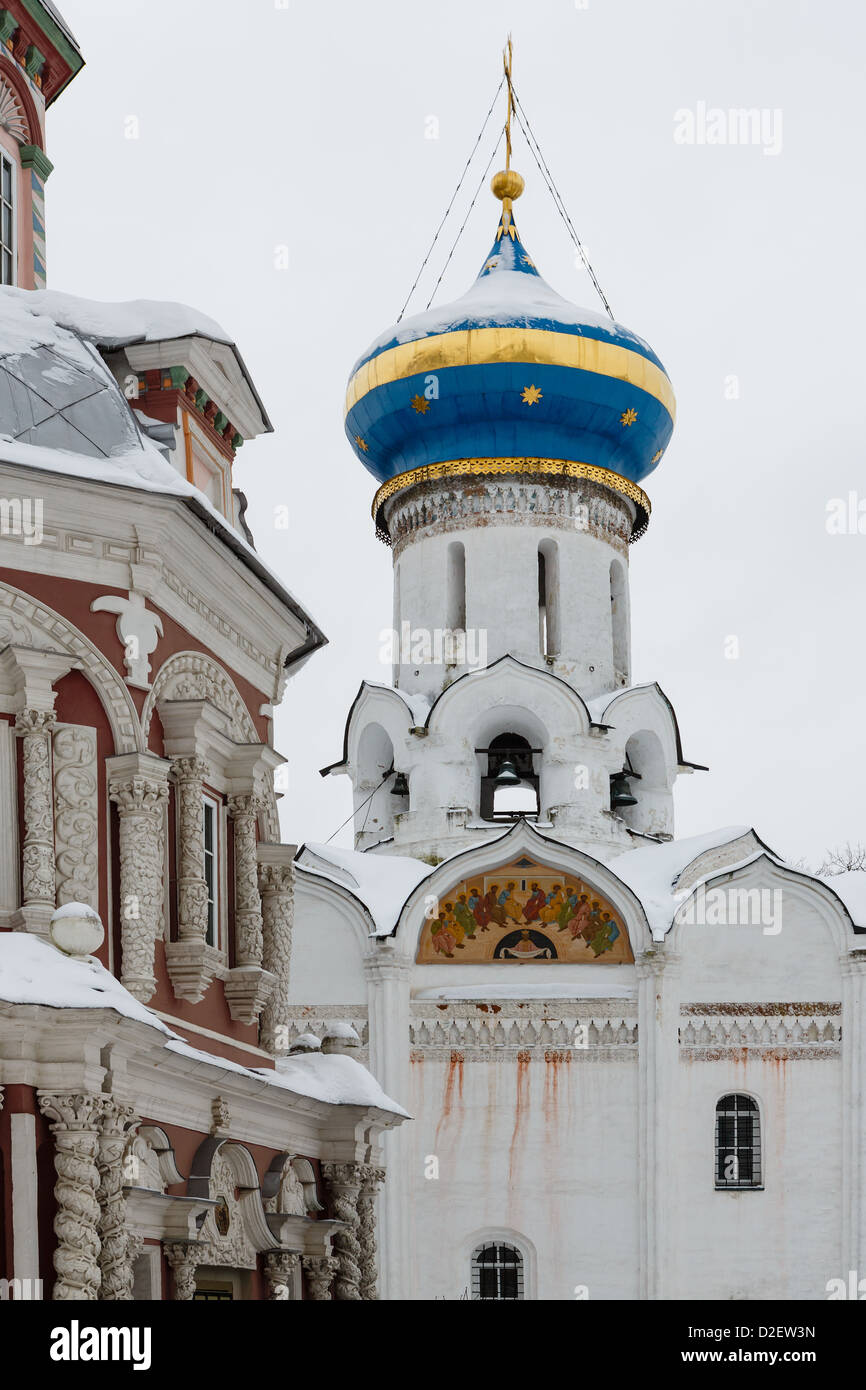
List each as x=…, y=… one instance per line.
x=468, y=347
x=563, y=468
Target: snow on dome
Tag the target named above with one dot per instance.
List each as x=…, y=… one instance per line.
x=382, y=882
x=509, y=370
x=338, y=1029
x=75, y=910
x=306, y=1042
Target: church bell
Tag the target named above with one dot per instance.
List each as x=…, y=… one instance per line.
x=620, y=792
x=507, y=774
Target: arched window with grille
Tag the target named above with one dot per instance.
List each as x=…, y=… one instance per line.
x=738, y=1142
x=497, y=1272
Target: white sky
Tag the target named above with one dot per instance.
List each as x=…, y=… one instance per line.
x=304, y=126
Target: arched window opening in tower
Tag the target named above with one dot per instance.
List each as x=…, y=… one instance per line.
x=456, y=588
x=497, y=1273
x=509, y=791
x=619, y=622
x=738, y=1142
x=548, y=598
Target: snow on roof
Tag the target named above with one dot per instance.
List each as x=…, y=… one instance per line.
x=382, y=882
x=114, y=325
x=652, y=872
x=32, y=971
x=419, y=705
x=851, y=888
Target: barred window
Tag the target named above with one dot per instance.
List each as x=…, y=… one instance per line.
x=497, y=1272
x=738, y=1142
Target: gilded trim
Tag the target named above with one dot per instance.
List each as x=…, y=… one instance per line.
x=477, y=346
x=564, y=468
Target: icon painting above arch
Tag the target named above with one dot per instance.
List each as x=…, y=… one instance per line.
x=521, y=913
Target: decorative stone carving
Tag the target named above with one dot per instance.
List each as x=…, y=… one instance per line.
x=320, y=1271
x=76, y=819
x=224, y=1238
x=275, y=887
x=138, y=630
x=435, y=507
x=192, y=887
x=115, y=1258
x=248, y=914
x=280, y=1273
x=289, y=1198
x=35, y=727
x=140, y=793
x=502, y=1030
x=344, y=1182
x=371, y=1180
x=75, y=1126
x=221, y=1116
x=183, y=1260
x=248, y=986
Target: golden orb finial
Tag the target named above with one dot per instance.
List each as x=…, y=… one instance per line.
x=507, y=184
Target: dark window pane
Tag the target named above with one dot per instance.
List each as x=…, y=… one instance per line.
x=487, y=1286
x=7, y=181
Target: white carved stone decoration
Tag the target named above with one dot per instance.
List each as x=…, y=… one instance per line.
x=289, y=1199
x=37, y=855
x=140, y=794
x=192, y=887
x=344, y=1184
x=275, y=888
x=248, y=912
x=320, y=1271
x=138, y=631
x=12, y=117
x=371, y=1180
x=280, y=1269
x=183, y=1260
x=76, y=820
x=75, y=1126
x=115, y=1258
x=230, y=1246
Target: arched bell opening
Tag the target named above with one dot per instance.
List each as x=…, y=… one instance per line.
x=510, y=785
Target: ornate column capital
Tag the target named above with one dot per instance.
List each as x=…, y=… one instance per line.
x=75, y=1120
x=320, y=1271
x=183, y=1263
x=280, y=1266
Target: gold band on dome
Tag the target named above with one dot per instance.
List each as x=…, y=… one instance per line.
x=563, y=468
x=469, y=347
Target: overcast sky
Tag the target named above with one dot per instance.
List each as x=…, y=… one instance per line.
x=305, y=126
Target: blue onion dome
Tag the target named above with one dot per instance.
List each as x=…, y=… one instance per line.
x=509, y=371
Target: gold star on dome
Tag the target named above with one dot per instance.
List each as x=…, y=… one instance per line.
x=420, y=405
x=530, y=395
x=491, y=264
x=655, y=458
x=527, y=261
x=628, y=417
x=361, y=443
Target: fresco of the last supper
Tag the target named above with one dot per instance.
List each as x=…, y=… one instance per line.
x=522, y=913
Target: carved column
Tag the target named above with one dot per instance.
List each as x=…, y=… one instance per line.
x=275, y=886
x=182, y=1260
x=191, y=884
x=248, y=985
x=344, y=1183
x=192, y=962
x=320, y=1271
x=248, y=912
x=75, y=1126
x=35, y=727
x=280, y=1268
x=139, y=789
x=116, y=1256
x=371, y=1180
